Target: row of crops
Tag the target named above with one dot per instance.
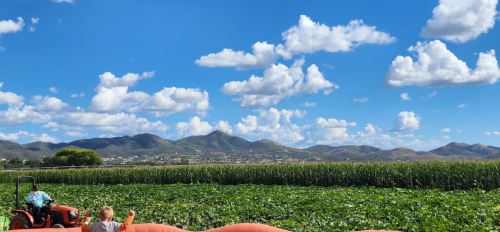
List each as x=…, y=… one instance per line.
x=417, y=175
x=205, y=206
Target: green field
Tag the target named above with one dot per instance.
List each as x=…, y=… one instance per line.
x=205, y=206
x=414, y=175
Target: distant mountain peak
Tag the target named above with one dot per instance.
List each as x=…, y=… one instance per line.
x=218, y=133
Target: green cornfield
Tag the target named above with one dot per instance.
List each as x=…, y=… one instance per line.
x=462, y=175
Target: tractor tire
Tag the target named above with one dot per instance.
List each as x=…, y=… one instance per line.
x=57, y=226
x=20, y=221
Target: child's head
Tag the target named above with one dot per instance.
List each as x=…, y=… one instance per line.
x=106, y=213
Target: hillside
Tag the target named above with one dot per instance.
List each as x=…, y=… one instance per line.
x=220, y=144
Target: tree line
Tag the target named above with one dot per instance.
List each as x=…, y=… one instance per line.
x=64, y=157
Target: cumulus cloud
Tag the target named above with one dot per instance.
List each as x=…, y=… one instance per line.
x=272, y=124
x=9, y=26
x=306, y=37
x=460, y=21
x=53, y=89
x=120, y=123
x=13, y=100
x=446, y=130
x=437, y=66
x=32, y=137
x=14, y=117
x=405, y=97
x=492, y=133
x=224, y=126
x=461, y=106
x=328, y=131
x=112, y=92
x=54, y=126
x=310, y=37
x=263, y=55
x=49, y=104
x=113, y=96
x=361, y=99
x=194, y=127
x=406, y=121
x=174, y=100
x=277, y=83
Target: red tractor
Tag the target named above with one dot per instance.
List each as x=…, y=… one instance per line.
x=57, y=217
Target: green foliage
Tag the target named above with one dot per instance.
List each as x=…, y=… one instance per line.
x=16, y=163
x=184, y=161
x=76, y=157
x=427, y=175
x=205, y=206
x=33, y=163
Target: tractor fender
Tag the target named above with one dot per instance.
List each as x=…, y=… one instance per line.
x=16, y=211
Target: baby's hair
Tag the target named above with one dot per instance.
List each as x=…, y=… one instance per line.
x=106, y=212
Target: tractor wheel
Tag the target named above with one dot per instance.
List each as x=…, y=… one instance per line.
x=57, y=226
x=20, y=222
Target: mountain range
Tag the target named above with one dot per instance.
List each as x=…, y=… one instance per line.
x=219, y=144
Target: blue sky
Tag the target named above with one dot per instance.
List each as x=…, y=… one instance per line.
x=389, y=74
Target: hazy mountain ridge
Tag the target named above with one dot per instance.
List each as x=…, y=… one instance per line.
x=220, y=143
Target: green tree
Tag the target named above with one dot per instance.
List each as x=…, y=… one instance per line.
x=76, y=157
x=33, y=163
x=184, y=161
x=47, y=162
x=16, y=163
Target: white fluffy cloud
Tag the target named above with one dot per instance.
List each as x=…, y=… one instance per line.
x=224, y=126
x=30, y=136
x=53, y=89
x=406, y=121
x=272, y=124
x=49, y=104
x=263, y=55
x=446, y=130
x=328, y=131
x=460, y=21
x=461, y=106
x=277, y=83
x=13, y=100
x=13, y=117
x=119, y=123
x=492, y=133
x=9, y=26
x=112, y=92
x=361, y=99
x=113, y=96
x=194, y=127
x=437, y=66
x=307, y=37
x=405, y=97
x=310, y=37
x=54, y=126
x=174, y=100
